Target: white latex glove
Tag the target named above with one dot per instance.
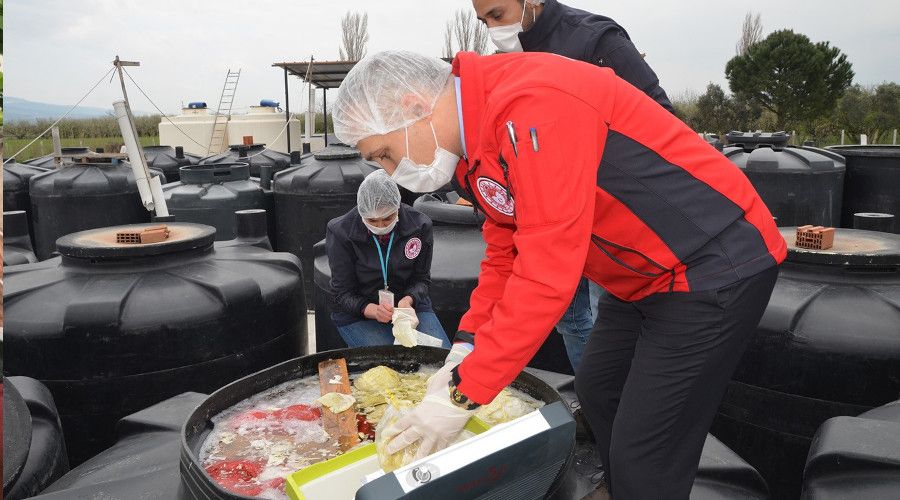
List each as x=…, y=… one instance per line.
x=405, y=321
x=436, y=421
x=458, y=352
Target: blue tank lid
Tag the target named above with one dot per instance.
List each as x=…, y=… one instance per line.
x=269, y=103
x=197, y=105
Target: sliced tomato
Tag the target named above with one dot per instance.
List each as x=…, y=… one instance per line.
x=298, y=412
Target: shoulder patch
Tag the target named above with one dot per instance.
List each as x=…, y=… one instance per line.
x=413, y=248
x=495, y=195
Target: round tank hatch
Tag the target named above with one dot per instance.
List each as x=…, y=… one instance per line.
x=336, y=153
x=136, y=240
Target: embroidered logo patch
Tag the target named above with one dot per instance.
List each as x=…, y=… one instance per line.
x=413, y=247
x=495, y=195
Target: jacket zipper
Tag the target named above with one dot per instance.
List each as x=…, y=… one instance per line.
x=598, y=240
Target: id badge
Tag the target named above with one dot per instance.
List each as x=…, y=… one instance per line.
x=386, y=298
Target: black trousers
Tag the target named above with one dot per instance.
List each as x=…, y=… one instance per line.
x=653, y=374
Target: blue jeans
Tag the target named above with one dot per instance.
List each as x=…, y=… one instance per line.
x=578, y=320
x=371, y=333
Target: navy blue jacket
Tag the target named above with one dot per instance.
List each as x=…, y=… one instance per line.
x=594, y=39
x=356, y=270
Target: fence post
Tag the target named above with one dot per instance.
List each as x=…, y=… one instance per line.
x=842, y=137
x=895, y=137
x=863, y=140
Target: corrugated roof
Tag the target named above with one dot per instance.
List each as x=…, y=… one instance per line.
x=323, y=74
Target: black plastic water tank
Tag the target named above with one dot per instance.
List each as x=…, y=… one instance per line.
x=49, y=161
x=872, y=181
x=210, y=194
x=143, y=463
x=828, y=345
x=198, y=426
x=17, y=247
x=448, y=209
x=800, y=184
x=168, y=160
x=856, y=457
x=15, y=188
x=455, y=265
x=255, y=155
x=34, y=453
x=869, y=221
x=112, y=328
x=82, y=196
x=317, y=188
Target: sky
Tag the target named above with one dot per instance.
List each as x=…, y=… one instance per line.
x=55, y=50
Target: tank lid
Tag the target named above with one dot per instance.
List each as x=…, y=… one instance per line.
x=880, y=151
x=851, y=248
x=103, y=243
x=214, y=173
x=336, y=153
x=752, y=140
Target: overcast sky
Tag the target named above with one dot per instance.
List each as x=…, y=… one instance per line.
x=57, y=49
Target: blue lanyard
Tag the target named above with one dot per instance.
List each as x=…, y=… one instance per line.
x=382, y=258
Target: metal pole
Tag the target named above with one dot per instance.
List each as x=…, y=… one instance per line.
x=57, y=146
x=325, y=112
x=287, y=110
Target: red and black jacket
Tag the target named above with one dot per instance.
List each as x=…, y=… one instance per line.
x=602, y=182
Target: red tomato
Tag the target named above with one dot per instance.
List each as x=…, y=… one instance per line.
x=298, y=412
x=237, y=476
x=363, y=426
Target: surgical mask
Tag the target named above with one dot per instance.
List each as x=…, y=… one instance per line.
x=420, y=178
x=380, y=231
x=506, y=38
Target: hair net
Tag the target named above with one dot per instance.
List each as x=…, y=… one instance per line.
x=378, y=196
x=369, y=100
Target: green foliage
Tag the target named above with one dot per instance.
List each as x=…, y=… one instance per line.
x=107, y=126
x=790, y=76
x=715, y=110
x=45, y=146
x=872, y=111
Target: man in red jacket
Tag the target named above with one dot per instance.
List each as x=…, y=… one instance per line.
x=578, y=173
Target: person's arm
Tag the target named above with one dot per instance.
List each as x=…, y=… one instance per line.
x=344, y=284
x=554, y=191
x=421, y=278
x=615, y=51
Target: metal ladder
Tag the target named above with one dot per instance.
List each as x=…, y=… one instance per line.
x=217, y=141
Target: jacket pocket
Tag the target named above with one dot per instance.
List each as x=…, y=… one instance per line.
x=633, y=260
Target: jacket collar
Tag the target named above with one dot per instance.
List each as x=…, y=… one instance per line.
x=544, y=25
x=360, y=233
x=466, y=66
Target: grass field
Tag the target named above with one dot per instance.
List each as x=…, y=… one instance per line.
x=45, y=146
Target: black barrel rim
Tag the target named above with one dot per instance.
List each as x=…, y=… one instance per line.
x=852, y=248
x=214, y=173
x=867, y=151
x=198, y=426
x=16, y=434
x=100, y=243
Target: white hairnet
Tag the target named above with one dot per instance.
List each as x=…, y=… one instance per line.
x=370, y=97
x=378, y=196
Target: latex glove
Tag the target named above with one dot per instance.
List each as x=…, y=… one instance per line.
x=457, y=353
x=436, y=421
x=405, y=321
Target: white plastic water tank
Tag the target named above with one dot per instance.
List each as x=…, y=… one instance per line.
x=197, y=122
x=264, y=123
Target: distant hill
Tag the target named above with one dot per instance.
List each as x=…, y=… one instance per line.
x=16, y=109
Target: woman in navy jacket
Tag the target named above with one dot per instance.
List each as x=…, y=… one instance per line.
x=381, y=245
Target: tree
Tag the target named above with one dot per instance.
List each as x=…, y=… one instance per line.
x=354, y=36
x=467, y=30
x=714, y=111
x=869, y=110
x=790, y=76
x=751, y=33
